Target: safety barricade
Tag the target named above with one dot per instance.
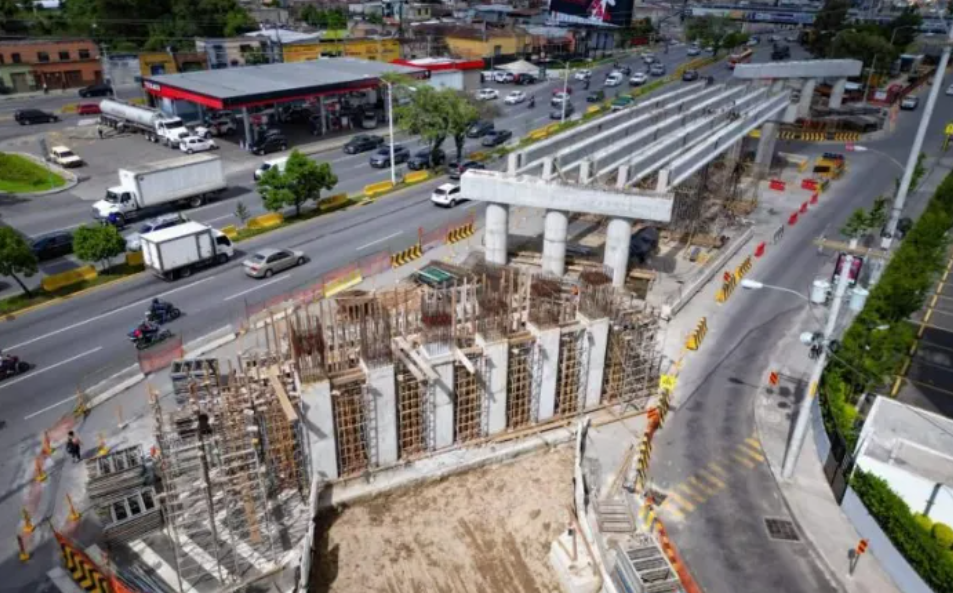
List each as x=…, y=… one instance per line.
x=161, y=355
x=231, y=231
x=478, y=155
x=552, y=128
x=809, y=184
x=538, y=135
x=416, y=176
x=84, y=572
x=814, y=198
x=332, y=202
x=265, y=221
x=777, y=185
x=743, y=268
x=759, y=250
x=341, y=279
x=377, y=188
x=55, y=282
x=460, y=233
x=375, y=264
x=697, y=336
x=134, y=258
x=727, y=288
x=406, y=256
x=308, y=294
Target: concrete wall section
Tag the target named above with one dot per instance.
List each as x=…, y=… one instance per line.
x=443, y=406
x=806, y=69
x=597, y=332
x=769, y=137
x=319, y=422
x=381, y=384
x=547, y=343
x=497, y=359
x=554, y=243
x=496, y=233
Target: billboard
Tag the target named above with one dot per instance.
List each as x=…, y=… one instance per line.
x=613, y=12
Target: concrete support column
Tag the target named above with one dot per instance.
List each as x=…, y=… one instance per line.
x=623, y=177
x=597, y=332
x=323, y=115
x=547, y=344
x=512, y=163
x=381, y=383
x=497, y=357
x=443, y=406
x=777, y=86
x=247, y=121
x=549, y=165
x=554, y=243
x=618, y=236
x=807, y=93
x=585, y=172
x=769, y=137
x=734, y=151
x=496, y=233
x=319, y=423
x=837, y=93
x=663, y=179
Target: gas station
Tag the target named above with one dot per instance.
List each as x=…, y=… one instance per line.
x=333, y=94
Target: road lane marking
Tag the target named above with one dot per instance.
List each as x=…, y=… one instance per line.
x=104, y=315
x=691, y=493
x=754, y=443
x=743, y=460
x=711, y=477
x=671, y=509
x=706, y=488
x=689, y=507
x=717, y=468
x=222, y=217
x=391, y=236
x=752, y=454
x=259, y=287
x=49, y=368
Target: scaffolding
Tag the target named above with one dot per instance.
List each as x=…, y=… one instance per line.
x=347, y=398
x=470, y=400
x=632, y=363
x=519, y=384
x=411, y=438
x=568, y=380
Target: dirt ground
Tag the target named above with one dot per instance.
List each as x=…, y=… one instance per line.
x=485, y=531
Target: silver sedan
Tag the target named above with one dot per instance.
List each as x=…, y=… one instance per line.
x=266, y=262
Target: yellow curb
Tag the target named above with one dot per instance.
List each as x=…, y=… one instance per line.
x=12, y=316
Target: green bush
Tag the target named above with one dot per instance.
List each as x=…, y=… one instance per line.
x=923, y=521
x=943, y=535
x=932, y=561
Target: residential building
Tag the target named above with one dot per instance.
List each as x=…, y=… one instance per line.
x=53, y=63
x=16, y=78
x=378, y=49
x=238, y=51
x=160, y=62
x=489, y=43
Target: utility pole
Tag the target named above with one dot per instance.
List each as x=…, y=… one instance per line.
x=900, y=200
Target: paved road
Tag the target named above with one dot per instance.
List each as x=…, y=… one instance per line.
x=53, y=102
x=720, y=527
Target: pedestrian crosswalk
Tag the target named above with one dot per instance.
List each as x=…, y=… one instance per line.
x=709, y=481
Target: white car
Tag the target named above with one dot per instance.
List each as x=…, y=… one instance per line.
x=190, y=144
x=279, y=162
x=215, y=128
x=694, y=51
x=499, y=76
x=638, y=79
x=949, y=90
x=583, y=75
x=648, y=58
x=446, y=195
x=614, y=79
x=515, y=97
x=488, y=94
x=64, y=157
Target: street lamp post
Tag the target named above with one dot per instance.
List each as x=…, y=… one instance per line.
x=390, y=125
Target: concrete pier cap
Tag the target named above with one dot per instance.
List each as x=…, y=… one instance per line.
x=807, y=69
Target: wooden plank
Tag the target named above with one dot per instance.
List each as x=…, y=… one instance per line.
x=283, y=398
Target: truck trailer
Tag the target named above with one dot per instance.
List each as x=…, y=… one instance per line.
x=177, y=251
x=155, y=125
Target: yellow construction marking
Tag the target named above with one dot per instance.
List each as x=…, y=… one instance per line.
x=689, y=507
x=671, y=509
x=743, y=461
x=707, y=489
x=688, y=490
x=754, y=443
x=714, y=465
x=752, y=454
x=710, y=476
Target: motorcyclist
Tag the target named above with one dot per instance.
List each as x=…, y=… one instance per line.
x=532, y=101
x=147, y=329
x=159, y=309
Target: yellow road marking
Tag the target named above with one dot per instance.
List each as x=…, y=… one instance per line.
x=743, y=461
x=689, y=507
x=712, y=478
x=671, y=509
x=754, y=443
x=707, y=489
x=752, y=454
x=688, y=490
x=714, y=465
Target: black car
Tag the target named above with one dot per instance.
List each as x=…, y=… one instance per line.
x=480, y=129
x=269, y=143
x=525, y=79
x=52, y=245
x=362, y=143
x=690, y=75
x=557, y=113
x=100, y=89
x=496, y=137
x=595, y=96
x=34, y=116
x=457, y=169
x=381, y=158
x=780, y=52
x=425, y=159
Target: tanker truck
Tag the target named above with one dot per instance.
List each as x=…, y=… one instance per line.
x=155, y=125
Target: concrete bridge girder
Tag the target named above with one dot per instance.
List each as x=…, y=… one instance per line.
x=808, y=72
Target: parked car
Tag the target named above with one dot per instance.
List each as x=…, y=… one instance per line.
x=52, y=245
x=267, y=262
x=455, y=169
x=488, y=94
x=279, y=162
x=426, y=159
x=657, y=69
x=558, y=112
x=690, y=75
x=269, y=143
x=525, y=79
x=133, y=240
x=910, y=103
x=560, y=98
x=515, y=97
x=496, y=137
x=774, y=38
x=34, y=116
x=88, y=109
x=447, y=195
x=64, y=157
x=221, y=127
x=191, y=144
x=583, y=75
x=100, y=89
x=638, y=79
x=614, y=79
x=499, y=76
x=595, y=96
x=509, y=77
x=694, y=51
x=479, y=129
x=362, y=143
x=381, y=158
x=710, y=49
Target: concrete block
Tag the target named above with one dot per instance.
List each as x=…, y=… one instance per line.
x=444, y=406
x=319, y=424
x=381, y=383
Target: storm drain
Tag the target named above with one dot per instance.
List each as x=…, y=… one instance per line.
x=782, y=529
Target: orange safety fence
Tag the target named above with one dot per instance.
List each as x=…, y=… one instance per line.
x=341, y=278
x=374, y=264
x=161, y=355
x=434, y=237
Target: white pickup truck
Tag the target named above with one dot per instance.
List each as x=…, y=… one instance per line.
x=177, y=251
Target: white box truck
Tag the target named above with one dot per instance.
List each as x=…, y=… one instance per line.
x=155, y=125
x=186, y=181
x=178, y=251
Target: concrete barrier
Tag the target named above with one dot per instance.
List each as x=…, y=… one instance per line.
x=55, y=282
x=265, y=221
x=231, y=231
x=134, y=258
x=349, y=280
x=478, y=155
x=331, y=202
x=416, y=176
x=377, y=188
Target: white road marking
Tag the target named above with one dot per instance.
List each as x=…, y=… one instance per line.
x=391, y=236
x=162, y=568
x=222, y=217
x=49, y=368
x=260, y=286
x=104, y=315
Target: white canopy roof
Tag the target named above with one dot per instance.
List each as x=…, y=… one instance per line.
x=521, y=67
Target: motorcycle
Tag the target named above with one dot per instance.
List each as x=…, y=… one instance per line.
x=11, y=366
x=531, y=103
x=163, y=315
x=144, y=340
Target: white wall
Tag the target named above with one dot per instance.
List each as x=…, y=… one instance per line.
x=447, y=79
x=913, y=489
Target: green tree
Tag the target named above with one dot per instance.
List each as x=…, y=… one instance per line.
x=735, y=39
x=424, y=115
x=904, y=27
x=16, y=257
x=461, y=110
x=829, y=22
x=242, y=213
x=302, y=180
x=857, y=225
x=879, y=212
x=869, y=47
x=375, y=18
x=709, y=31
x=98, y=243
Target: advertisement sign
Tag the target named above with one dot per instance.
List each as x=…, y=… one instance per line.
x=614, y=12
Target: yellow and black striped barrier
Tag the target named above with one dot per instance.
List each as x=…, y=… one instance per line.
x=727, y=287
x=664, y=403
x=743, y=268
x=82, y=569
x=698, y=335
x=460, y=233
x=406, y=256
x=642, y=463
x=808, y=136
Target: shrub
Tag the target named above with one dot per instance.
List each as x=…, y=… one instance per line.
x=923, y=521
x=943, y=535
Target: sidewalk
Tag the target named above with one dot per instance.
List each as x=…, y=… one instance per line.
x=808, y=496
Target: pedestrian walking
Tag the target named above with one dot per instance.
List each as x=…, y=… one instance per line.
x=74, y=447
x=99, y=131
x=46, y=89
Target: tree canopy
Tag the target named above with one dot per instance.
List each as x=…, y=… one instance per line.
x=830, y=20
x=98, y=243
x=438, y=114
x=301, y=181
x=330, y=18
x=16, y=257
x=711, y=31
x=870, y=48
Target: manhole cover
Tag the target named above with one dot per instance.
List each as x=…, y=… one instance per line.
x=782, y=529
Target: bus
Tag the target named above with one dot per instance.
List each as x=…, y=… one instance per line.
x=740, y=58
